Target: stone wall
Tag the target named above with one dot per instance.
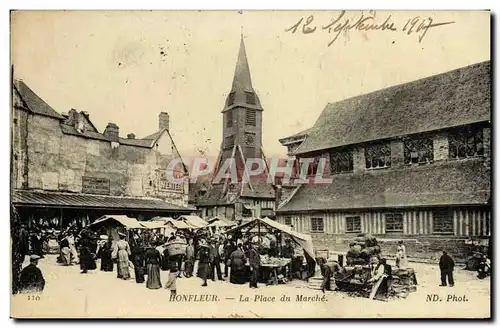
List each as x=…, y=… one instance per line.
x=58, y=162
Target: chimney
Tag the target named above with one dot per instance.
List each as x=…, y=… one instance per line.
x=130, y=136
x=73, y=116
x=164, y=121
x=112, y=131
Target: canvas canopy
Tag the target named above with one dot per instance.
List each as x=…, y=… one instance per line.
x=113, y=223
x=164, y=228
x=176, y=224
x=219, y=223
x=304, y=240
x=123, y=220
x=194, y=221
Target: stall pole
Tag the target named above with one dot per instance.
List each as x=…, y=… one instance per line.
x=258, y=229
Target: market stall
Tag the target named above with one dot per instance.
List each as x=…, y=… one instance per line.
x=172, y=223
x=161, y=226
x=193, y=221
x=113, y=224
x=270, y=236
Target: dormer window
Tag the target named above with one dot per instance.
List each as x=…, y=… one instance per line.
x=230, y=99
x=378, y=156
x=250, y=98
x=418, y=150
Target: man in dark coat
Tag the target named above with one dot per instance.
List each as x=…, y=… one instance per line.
x=254, y=263
x=446, y=264
x=229, y=248
x=31, y=278
x=215, y=261
x=204, y=261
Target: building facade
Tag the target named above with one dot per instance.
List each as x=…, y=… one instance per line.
x=65, y=171
x=410, y=162
x=237, y=199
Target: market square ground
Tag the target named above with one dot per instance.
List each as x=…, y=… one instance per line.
x=99, y=294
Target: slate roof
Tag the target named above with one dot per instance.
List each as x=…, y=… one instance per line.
x=450, y=99
x=68, y=200
x=464, y=182
x=146, y=143
x=33, y=102
x=242, y=82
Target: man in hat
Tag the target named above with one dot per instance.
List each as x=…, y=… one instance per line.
x=31, y=278
x=215, y=260
x=446, y=265
x=254, y=262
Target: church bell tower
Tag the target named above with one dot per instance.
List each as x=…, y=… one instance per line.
x=242, y=117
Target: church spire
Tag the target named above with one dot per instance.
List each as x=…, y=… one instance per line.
x=242, y=92
x=242, y=80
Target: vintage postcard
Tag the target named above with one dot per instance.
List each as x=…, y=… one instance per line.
x=251, y=164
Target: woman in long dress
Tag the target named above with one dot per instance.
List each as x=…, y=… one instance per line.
x=138, y=260
x=237, y=259
x=121, y=253
x=153, y=258
x=401, y=259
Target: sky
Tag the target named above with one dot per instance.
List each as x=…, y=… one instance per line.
x=126, y=67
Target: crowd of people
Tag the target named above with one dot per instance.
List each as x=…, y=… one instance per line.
x=142, y=254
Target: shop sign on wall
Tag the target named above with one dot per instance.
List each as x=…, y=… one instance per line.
x=91, y=185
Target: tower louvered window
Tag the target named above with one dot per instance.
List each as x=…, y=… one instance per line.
x=251, y=117
x=230, y=99
x=250, y=97
x=229, y=119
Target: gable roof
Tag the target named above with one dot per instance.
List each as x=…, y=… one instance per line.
x=439, y=184
x=33, y=102
x=450, y=99
x=295, y=137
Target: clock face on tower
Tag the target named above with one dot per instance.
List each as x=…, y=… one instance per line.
x=250, y=139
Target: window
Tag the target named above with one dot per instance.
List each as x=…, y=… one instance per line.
x=288, y=221
x=249, y=139
x=312, y=169
x=210, y=212
x=443, y=221
x=230, y=99
x=341, y=161
x=246, y=212
x=250, y=97
x=251, y=117
x=466, y=142
x=229, y=142
x=418, y=150
x=393, y=222
x=317, y=225
x=353, y=224
x=378, y=156
x=229, y=118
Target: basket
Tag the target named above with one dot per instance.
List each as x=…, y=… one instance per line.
x=176, y=248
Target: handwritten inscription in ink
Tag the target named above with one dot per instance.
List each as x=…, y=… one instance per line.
x=416, y=25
